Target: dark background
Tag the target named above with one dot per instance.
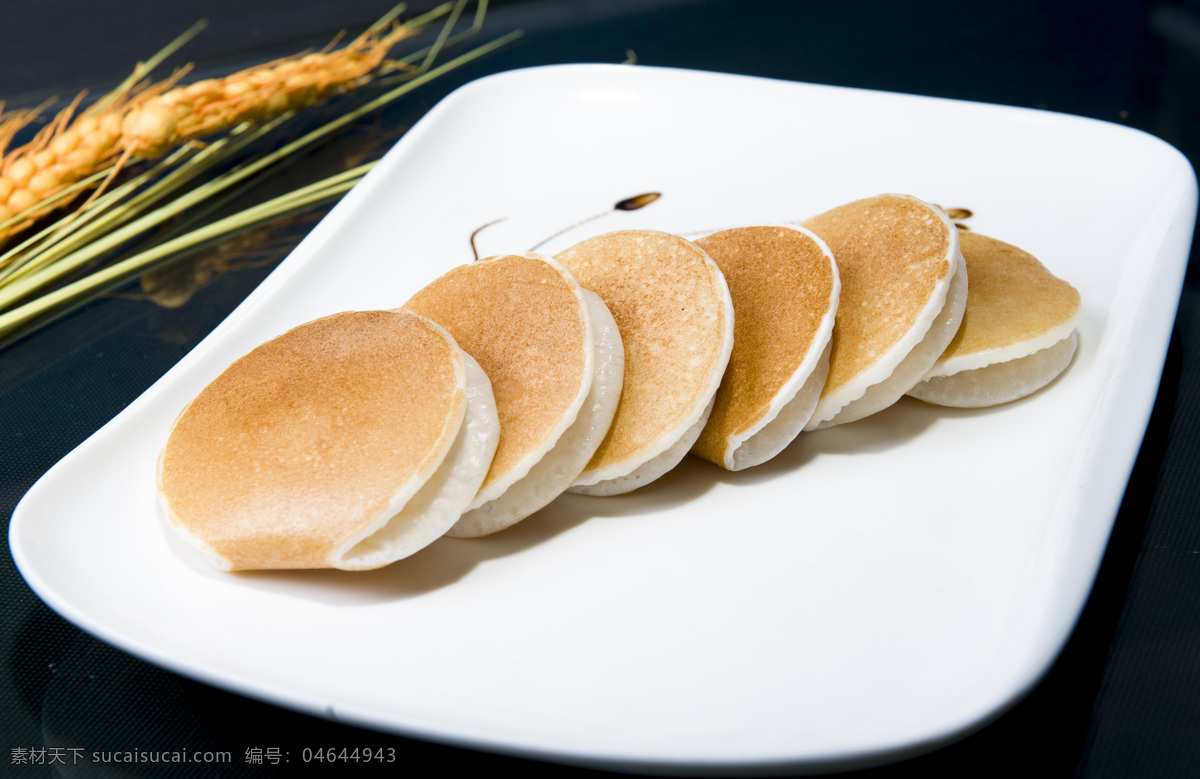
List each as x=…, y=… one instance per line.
x=1123, y=700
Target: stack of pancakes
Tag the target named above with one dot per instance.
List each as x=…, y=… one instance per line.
x=360, y=438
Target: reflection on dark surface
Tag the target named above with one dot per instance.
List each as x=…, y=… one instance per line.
x=29, y=671
x=174, y=284
x=167, y=720
x=147, y=711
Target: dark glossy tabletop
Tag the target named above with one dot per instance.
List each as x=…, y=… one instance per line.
x=1123, y=699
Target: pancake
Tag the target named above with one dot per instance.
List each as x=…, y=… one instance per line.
x=784, y=285
x=554, y=356
x=1017, y=335
x=904, y=289
x=673, y=310
x=349, y=442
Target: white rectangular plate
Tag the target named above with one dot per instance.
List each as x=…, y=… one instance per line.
x=883, y=586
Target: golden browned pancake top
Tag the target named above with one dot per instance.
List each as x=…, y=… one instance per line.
x=305, y=440
x=523, y=322
x=1011, y=298
x=669, y=304
x=891, y=252
x=781, y=283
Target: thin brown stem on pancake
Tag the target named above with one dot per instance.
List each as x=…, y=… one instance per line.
x=628, y=204
x=477, y=231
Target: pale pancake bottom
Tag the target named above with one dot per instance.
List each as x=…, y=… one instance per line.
x=1000, y=382
x=439, y=503
x=569, y=455
x=908, y=372
x=652, y=469
x=776, y=433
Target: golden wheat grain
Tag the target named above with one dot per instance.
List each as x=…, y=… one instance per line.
x=146, y=120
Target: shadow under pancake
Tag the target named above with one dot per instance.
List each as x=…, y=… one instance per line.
x=893, y=427
x=448, y=560
x=686, y=482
